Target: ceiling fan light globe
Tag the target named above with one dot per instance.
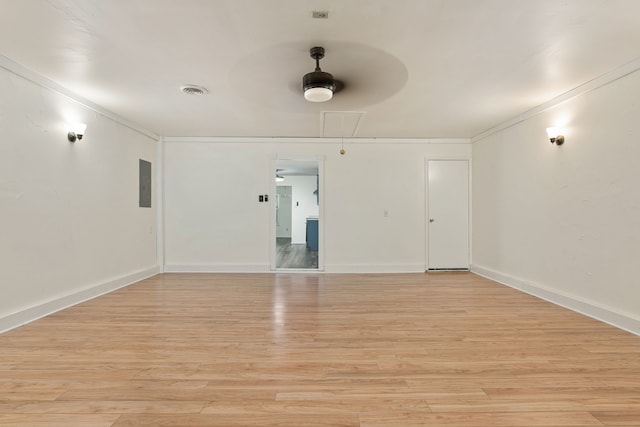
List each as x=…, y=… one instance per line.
x=318, y=94
x=318, y=86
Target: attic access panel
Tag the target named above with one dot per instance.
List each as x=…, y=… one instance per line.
x=341, y=124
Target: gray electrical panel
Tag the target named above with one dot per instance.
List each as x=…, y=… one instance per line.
x=145, y=184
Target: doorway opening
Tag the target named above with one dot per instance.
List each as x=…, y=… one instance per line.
x=297, y=215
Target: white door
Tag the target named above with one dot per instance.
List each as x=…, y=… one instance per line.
x=448, y=215
x=283, y=211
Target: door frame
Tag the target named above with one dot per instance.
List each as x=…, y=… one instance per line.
x=426, y=204
x=272, y=216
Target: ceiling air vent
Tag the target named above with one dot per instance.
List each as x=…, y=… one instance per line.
x=194, y=90
x=320, y=14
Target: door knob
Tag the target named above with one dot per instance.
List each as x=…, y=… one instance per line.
x=431, y=219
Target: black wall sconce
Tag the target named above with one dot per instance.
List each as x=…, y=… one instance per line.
x=77, y=133
x=554, y=136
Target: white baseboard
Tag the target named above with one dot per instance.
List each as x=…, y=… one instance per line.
x=375, y=268
x=607, y=315
x=266, y=268
x=217, y=268
x=28, y=315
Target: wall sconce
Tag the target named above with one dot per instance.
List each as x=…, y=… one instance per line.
x=77, y=132
x=554, y=136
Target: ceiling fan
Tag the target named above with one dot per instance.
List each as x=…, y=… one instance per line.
x=319, y=86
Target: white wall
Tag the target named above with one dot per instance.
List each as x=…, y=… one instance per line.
x=69, y=219
x=303, y=204
x=564, y=222
x=213, y=223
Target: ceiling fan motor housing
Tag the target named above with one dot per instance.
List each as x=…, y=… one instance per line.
x=318, y=79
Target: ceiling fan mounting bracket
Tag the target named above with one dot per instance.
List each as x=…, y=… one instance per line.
x=317, y=53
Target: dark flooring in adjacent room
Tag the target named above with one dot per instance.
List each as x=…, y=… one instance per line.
x=294, y=255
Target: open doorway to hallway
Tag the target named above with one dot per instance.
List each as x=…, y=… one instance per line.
x=297, y=214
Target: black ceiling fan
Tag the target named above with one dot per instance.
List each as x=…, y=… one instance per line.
x=318, y=85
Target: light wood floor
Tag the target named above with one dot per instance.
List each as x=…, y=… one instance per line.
x=445, y=349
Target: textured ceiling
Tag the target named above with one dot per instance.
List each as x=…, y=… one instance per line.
x=412, y=68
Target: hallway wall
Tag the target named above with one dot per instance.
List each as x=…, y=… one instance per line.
x=210, y=226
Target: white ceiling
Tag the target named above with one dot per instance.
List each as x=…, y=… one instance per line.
x=413, y=68
x=297, y=167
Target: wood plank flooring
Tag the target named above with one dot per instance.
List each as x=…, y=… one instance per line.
x=439, y=349
x=294, y=255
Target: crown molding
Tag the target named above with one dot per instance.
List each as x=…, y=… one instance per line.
x=583, y=89
x=21, y=71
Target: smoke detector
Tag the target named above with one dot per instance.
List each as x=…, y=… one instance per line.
x=194, y=90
